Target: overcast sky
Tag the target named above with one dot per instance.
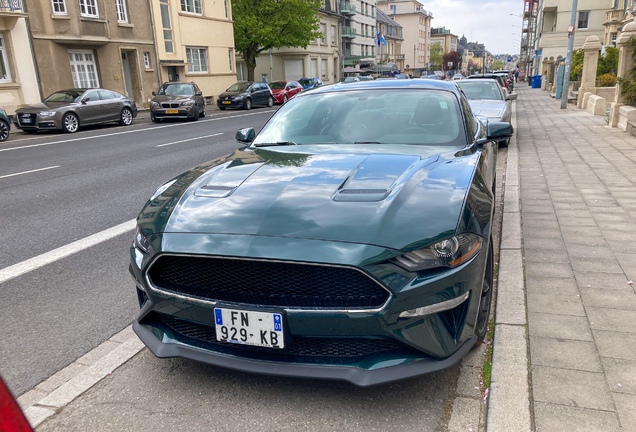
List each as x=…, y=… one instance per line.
x=488, y=21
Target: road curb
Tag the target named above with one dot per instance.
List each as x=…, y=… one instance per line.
x=48, y=397
x=509, y=404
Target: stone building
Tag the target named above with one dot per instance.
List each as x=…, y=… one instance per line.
x=392, y=31
x=616, y=18
x=444, y=36
x=18, y=77
x=358, y=32
x=94, y=43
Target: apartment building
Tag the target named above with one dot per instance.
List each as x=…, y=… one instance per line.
x=94, y=43
x=18, y=78
x=443, y=36
x=591, y=17
x=416, y=25
x=195, y=42
x=620, y=14
x=321, y=59
x=358, y=32
x=392, y=32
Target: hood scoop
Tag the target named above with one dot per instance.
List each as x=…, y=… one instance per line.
x=225, y=179
x=375, y=178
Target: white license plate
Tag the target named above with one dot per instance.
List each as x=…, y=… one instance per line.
x=249, y=328
x=26, y=120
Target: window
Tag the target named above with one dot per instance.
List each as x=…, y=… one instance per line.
x=105, y=95
x=314, y=66
x=227, y=10
x=614, y=38
x=5, y=75
x=89, y=8
x=584, y=19
x=393, y=9
x=191, y=6
x=333, y=35
x=147, y=60
x=59, y=7
x=323, y=68
x=122, y=16
x=229, y=53
x=83, y=69
x=167, y=27
x=323, y=32
x=199, y=59
x=91, y=96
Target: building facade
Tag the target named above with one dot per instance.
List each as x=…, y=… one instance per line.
x=444, y=36
x=555, y=19
x=321, y=59
x=358, y=32
x=18, y=77
x=195, y=42
x=94, y=43
x=392, y=32
x=616, y=18
x=416, y=25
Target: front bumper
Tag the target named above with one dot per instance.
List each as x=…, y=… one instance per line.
x=278, y=97
x=230, y=103
x=180, y=113
x=37, y=122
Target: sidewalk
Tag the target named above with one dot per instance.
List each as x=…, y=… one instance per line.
x=578, y=209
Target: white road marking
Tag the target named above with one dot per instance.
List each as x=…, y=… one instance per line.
x=34, y=263
x=27, y=172
x=189, y=139
x=131, y=131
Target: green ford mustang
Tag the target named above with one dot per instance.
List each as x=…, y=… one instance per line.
x=350, y=239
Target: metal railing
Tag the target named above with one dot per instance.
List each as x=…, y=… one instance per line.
x=347, y=8
x=349, y=32
x=11, y=5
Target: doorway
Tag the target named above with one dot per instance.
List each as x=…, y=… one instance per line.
x=127, y=78
x=172, y=74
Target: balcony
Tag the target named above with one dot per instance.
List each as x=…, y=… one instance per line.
x=347, y=8
x=613, y=17
x=349, y=32
x=11, y=6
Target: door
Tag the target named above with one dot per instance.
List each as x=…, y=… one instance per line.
x=127, y=77
x=91, y=108
x=293, y=69
x=112, y=105
x=172, y=74
x=265, y=93
x=83, y=68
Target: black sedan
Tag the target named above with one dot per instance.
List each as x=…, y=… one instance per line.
x=245, y=95
x=68, y=110
x=350, y=239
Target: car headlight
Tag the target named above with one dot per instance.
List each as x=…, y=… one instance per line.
x=47, y=113
x=141, y=242
x=154, y=104
x=187, y=103
x=239, y=97
x=450, y=253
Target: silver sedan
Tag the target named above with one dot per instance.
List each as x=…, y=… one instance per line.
x=69, y=109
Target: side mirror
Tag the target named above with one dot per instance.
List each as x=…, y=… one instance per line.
x=198, y=94
x=85, y=100
x=499, y=130
x=245, y=135
x=154, y=93
x=512, y=97
x=252, y=90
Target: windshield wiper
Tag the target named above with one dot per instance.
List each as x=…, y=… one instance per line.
x=367, y=142
x=278, y=143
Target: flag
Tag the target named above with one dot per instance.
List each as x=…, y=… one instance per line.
x=383, y=41
x=377, y=38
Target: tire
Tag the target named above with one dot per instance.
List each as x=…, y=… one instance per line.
x=30, y=131
x=247, y=105
x=222, y=108
x=196, y=115
x=4, y=131
x=285, y=99
x=154, y=119
x=270, y=102
x=126, y=117
x=70, y=123
x=202, y=113
x=504, y=143
x=481, y=327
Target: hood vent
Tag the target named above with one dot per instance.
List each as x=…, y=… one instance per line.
x=363, y=191
x=361, y=195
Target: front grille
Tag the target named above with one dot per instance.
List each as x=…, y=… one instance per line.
x=297, y=348
x=170, y=105
x=268, y=283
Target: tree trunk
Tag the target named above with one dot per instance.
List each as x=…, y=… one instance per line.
x=250, y=61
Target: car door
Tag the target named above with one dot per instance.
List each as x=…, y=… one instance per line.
x=90, y=109
x=112, y=105
x=264, y=93
x=198, y=97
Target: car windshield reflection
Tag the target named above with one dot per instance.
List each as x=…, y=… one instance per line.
x=481, y=90
x=176, y=90
x=64, y=96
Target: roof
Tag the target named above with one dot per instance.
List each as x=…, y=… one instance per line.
x=422, y=84
x=382, y=17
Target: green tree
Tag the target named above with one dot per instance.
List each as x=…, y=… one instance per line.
x=437, y=55
x=497, y=65
x=608, y=63
x=263, y=24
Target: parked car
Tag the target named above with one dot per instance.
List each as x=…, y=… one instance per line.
x=245, y=95
x=309, y=83
x=365, y=78
x=385, y=78
x=458, y=77
x=12, y=418
x=177, y=100
x=285, y=90
x=431, y=77
x=68, y=110
x=508, y=78
x=5, y=125
x=489, y=76
x=350, y=79
x=260, y=261
x=402, y=76
x=487, y=100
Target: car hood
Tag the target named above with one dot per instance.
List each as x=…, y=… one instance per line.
x=43, y=106
x=164, y=98
x=488, y=108
x=230, y=94
x=399, y=197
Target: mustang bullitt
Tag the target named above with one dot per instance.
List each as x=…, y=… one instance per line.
x=350, y=239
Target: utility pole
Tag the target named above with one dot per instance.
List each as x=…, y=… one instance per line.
x=568, y=59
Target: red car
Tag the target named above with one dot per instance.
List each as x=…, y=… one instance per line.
x=284, y=90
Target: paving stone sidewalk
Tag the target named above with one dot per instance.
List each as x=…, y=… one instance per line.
x=578, y=199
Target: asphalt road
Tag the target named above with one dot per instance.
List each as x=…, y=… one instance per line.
x=88, y=182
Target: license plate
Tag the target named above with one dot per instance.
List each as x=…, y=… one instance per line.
x=172, y=111
x=249, y=328
x=227, y=102
x=26, y=120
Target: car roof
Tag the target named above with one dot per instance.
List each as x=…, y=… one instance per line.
x=387, y=84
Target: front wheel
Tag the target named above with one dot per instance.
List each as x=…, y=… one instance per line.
x=284, y=99
x=486, y=298
x=202, y=113
x=504, y=143
x=195, y=117
x=4, y=131
x=70, y=123
x=222, y=108
x=270, y=102
x=248, y=104
x=126, y=117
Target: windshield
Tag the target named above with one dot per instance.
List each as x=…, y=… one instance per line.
x=239, y=87
x=394, y=116
x=306, y=82
x=176, y=90
x=351, y=79
x=481, y=90
x=65, y=96
x=279, y=85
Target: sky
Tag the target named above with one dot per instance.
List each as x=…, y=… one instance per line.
x=484, y=21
